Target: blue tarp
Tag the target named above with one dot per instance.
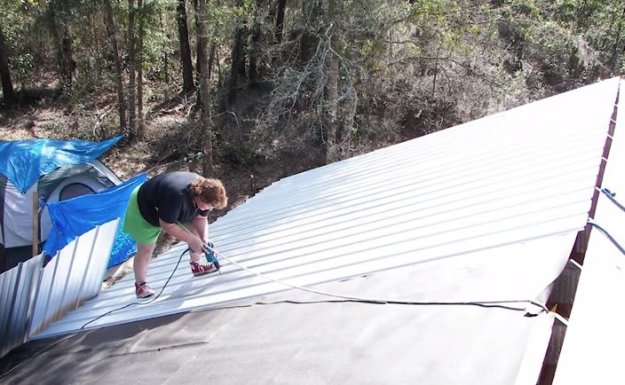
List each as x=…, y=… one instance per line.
x=76, y=216
x=24, y=161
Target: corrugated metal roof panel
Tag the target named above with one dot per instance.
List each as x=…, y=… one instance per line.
x=517, y=184
x=598, y=315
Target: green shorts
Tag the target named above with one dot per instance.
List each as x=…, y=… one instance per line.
x=136, y=226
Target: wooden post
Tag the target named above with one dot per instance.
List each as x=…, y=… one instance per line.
x=35, y=223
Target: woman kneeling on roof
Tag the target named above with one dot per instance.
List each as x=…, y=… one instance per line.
x=167, y=202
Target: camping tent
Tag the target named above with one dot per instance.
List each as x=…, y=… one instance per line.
x=56, y=170
x=76, y=216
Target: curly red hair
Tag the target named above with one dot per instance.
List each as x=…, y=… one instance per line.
x=210, y=191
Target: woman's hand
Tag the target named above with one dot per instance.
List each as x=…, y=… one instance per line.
x=197, y=246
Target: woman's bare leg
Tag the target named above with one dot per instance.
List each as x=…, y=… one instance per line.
x=141, y=262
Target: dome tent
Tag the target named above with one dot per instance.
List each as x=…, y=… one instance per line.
x=54, y=169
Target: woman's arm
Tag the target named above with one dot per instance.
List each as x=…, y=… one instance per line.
x=200, y=224
x=195, y=243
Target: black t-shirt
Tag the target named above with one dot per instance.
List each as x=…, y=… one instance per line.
x=167, y=196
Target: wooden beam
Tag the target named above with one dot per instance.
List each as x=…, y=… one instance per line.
x=35, y=223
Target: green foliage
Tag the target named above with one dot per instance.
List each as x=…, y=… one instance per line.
x=223, y=18
x=15, y=25
x=402, y=68
x=156, y=40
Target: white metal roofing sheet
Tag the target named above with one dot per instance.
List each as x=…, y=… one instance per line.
x=594, y=344
x=498, y=186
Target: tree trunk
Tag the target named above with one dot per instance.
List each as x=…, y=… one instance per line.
x=255, y=51
x=140, y=128
x=198, y=56
x=132, y=79
x=205, y=116
x=65, y=63
x=185, y=48
x=238, y=61
x=5, y=73
x=165, y=57
x=310, y=35
x=330, y=101
x=280, y=21
x=277, y=14
x=211, y=60
x=619, y=43
x=68, y=64
x=112, y=32
x=97, y=65
x=331, y=88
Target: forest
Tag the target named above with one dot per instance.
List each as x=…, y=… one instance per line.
x=254, y=90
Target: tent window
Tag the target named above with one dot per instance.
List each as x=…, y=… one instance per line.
x=73, y=190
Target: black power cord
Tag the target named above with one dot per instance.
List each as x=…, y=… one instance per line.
x=142, y=302
x=503, y=304
x=49, y=347
x=612, y=197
